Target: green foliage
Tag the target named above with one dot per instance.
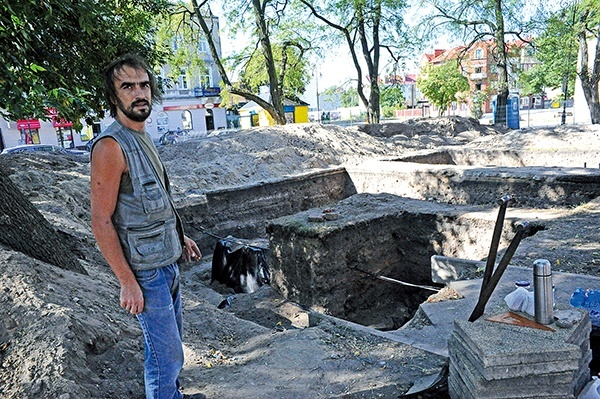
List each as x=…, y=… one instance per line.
x=349, y=97
x=176, y=35
x=478, y=99
x=392, y=96
x=53, y=52
x=289, y=64
x=556, y=50
x=388, y=112
x=441, y=84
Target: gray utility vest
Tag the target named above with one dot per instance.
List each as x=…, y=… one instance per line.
x=145, y=220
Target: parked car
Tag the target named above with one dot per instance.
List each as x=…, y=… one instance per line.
x=44, y=148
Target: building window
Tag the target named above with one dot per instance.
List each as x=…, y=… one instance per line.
x=478, y=69
x=204, y=80
x=203, y=46
x=478, y=86
x=183, y=81
x=478, y=53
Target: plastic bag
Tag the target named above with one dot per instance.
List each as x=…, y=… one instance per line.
x=589, y=300
x=591, y=390
x=521, y=300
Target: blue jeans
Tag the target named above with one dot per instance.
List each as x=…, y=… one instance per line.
x=162, y=325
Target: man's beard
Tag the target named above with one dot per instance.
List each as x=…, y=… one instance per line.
x=132, y=113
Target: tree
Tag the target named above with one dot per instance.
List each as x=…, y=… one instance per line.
x=24, y=229
x=556, y=50
x=442, y=83
x=280, y=63
x=347, y=96
x=294, y=69
x=392, y=98
x=368, y=27
x=53, y=53
x=588, y=30
x=480, y=20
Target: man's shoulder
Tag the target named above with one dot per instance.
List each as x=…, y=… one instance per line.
x=112, y=129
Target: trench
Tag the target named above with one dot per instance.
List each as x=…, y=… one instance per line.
x=333, y=233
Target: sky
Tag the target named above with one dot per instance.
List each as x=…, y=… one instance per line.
x=335, y=69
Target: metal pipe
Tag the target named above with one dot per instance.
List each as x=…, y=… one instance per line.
x=523, y=230
x=491, y=259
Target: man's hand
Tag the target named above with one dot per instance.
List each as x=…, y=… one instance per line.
x=132, y=298
x=191, y=252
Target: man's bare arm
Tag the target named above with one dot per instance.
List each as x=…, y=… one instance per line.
x=107, y=169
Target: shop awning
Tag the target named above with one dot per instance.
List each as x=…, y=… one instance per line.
x=28, y=124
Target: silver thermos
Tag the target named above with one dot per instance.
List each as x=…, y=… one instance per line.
x=543, y=293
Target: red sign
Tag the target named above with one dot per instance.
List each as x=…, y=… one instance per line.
x=56, y=120
x=191, y=106
x=28, y=124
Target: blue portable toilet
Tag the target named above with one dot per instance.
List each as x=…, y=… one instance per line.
x=512, y=112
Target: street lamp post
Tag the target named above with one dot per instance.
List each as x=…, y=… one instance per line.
x=563, y=118
x=317, y=88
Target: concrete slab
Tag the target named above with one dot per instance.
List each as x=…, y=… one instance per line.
x=515, y=369
x=542, y=386
x=502, y=345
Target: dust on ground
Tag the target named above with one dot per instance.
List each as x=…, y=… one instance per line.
x=63, y=335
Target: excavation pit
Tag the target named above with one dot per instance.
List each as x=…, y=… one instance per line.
x=333, y=232
x=332, y=265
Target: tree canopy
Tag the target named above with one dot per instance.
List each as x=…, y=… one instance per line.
x=368, y=28
x=442, y=83
x=499, y=20
x=276, y=56
x=556, y=50
x=53, y=52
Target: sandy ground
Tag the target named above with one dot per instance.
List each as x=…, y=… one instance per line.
x=63, y=335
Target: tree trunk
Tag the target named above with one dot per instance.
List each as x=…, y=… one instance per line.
x=590, y=78
x=275, y=108
x=502, y=97
x=265, y=42
x=24, y=229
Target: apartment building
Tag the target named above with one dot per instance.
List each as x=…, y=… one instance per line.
x=480, y=67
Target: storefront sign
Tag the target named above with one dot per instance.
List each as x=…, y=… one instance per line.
x=28, y=124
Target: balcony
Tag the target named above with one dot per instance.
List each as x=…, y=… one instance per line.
x=478, y=76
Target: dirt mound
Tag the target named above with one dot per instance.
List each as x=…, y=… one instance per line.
x=451, y=126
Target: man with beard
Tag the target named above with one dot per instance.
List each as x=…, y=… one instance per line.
x=136, y=225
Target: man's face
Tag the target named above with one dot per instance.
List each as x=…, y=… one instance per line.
x=134, y=93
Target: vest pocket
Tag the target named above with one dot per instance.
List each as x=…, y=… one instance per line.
x=153, y=199
x=154, y=245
